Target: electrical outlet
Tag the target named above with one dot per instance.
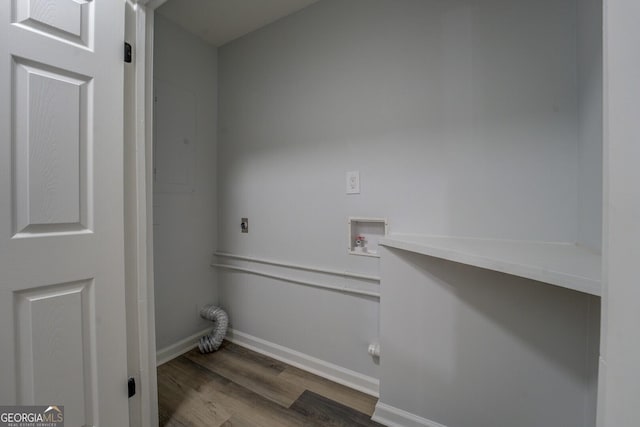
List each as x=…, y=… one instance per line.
x=244, y=225
x=353, y=182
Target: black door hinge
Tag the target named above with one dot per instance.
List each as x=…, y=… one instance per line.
x=131, y=385
x=128, y=55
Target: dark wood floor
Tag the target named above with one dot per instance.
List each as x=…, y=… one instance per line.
x=238, y=387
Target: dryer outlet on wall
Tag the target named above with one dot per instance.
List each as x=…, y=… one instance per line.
x=353, y=182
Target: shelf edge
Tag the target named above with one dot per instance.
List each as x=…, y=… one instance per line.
x=556, y=278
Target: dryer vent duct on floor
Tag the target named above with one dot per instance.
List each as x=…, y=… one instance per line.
x=212, y=342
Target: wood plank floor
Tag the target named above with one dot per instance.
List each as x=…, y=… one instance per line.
x=240, y=388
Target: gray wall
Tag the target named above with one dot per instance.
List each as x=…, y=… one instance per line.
x=185, y=223
x=461, y=116
x=590, y=123
x=590, y=135
x=485, y=349
x=441, y=105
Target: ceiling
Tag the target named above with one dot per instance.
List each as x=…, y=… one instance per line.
x=220, y=21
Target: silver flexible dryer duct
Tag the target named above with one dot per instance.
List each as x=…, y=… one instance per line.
x=211, y=342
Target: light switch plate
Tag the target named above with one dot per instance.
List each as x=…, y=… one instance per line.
x=353, y=182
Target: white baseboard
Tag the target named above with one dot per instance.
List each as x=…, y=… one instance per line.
x=335, y=373
x=394, y=417
x=174, y=350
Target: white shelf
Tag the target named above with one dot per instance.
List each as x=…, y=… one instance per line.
x=561, y=264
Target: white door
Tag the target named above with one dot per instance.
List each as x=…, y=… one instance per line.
x=62, y=311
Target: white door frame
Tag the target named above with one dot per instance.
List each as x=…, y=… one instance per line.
x=144, y=232
x=139, y=218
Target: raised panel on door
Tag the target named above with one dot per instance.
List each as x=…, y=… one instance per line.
x=54, y=332
x=66, y=19
x=50, y=143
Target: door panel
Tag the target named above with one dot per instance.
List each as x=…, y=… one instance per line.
x=62, y=318
x=49, y=145
x=66, y=19
x=54, y=327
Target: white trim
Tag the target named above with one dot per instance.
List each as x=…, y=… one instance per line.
x=298, y=281
x=146, y=290
x=298, y=266
x=179, y=348
x=393, y=417
x=139, y=238
x=335, y=373
x=142, y=228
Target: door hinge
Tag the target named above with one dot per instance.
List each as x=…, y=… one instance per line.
x=131, y=385
x=128, y=54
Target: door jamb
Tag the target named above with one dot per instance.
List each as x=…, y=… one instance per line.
x=142, y=224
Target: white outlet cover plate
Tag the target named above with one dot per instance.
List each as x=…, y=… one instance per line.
x=353, y=182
